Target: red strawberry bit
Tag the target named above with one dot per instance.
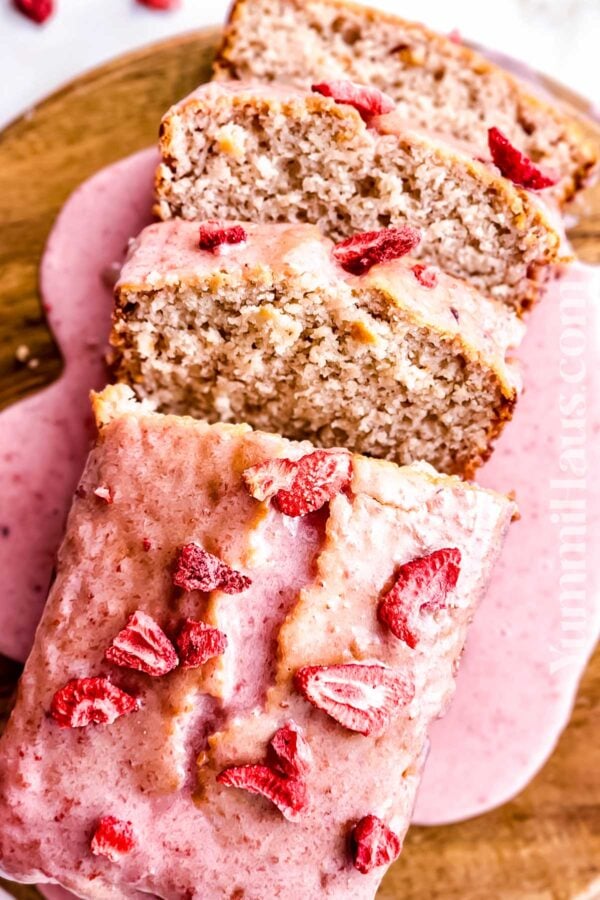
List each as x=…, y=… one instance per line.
x=104, y=493
x=266, y=479
x=515, y=166
x=290, y=795
x=320, y=476
x=36, y=10
x=198, y=570
x=112, y=838
x=422, y=586
x=303, y=485
x=163, y=5
x=362, y=698
x=144, y=646
x=427, y=276
x=146, y=544
x=87, y=701
x=359, y=253
x=198, y=642
x=368, y=101
x=373, y=844
x=455, y=36
x=289, y=753
x=214, y=234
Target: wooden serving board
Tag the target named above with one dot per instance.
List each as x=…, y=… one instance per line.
x=544, y=845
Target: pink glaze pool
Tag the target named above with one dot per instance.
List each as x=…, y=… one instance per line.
x=534, y=632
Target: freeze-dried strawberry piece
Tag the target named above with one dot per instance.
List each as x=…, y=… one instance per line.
x=290, y=795
x=36, y=10
x=164, y=5
x=515, y=165
x=303, y=485
x=198, y=570
x=288, y=752
x=214, y=234
x=144, y=646
x=198, y=642
x=87, y=701
x=373, y=844
x=422, y=585
x=425, y=275
x=266, y=479
x=357, y=254
x=362, y=698
x=112, y=838
x=320, y=476
x=368, y=101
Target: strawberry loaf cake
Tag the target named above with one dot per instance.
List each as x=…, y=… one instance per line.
x=354, y=344
x=343, y=158
x=438, y=83
x=231, y=686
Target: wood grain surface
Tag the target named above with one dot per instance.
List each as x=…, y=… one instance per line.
x=545, y=844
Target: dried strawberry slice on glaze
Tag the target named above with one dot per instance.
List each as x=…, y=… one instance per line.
x=266, y=479
x=422, y=585
x=288, y=752
x=363, y=698
x=214, y=234
x=198, y=642
x=359, y=253
x=427, y=276
x=320, y=476
x=144, y=646
x=198, y=570
x=112, y=838
x=303, y=485
x=290, y=795
x=515, y=166
x=367, y=101
x=36, y=10
x=373, y=844
x=87, y=701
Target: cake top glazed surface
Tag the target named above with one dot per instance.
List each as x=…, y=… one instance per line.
x=308, y=597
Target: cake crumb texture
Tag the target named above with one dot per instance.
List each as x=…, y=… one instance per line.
x=438, y=83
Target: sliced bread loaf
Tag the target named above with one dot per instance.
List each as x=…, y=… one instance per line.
x=397, y=361
x=274, y=154
x=438, y=83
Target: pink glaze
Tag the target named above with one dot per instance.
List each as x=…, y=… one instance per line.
x=530, y=641
x=483, y=752
x=44, y=439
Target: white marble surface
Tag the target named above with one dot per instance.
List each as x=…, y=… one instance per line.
x=560, y=37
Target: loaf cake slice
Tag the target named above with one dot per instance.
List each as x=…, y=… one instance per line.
x=438, y=83
x=230, y=689
x=274, y=154
x=400, y=362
